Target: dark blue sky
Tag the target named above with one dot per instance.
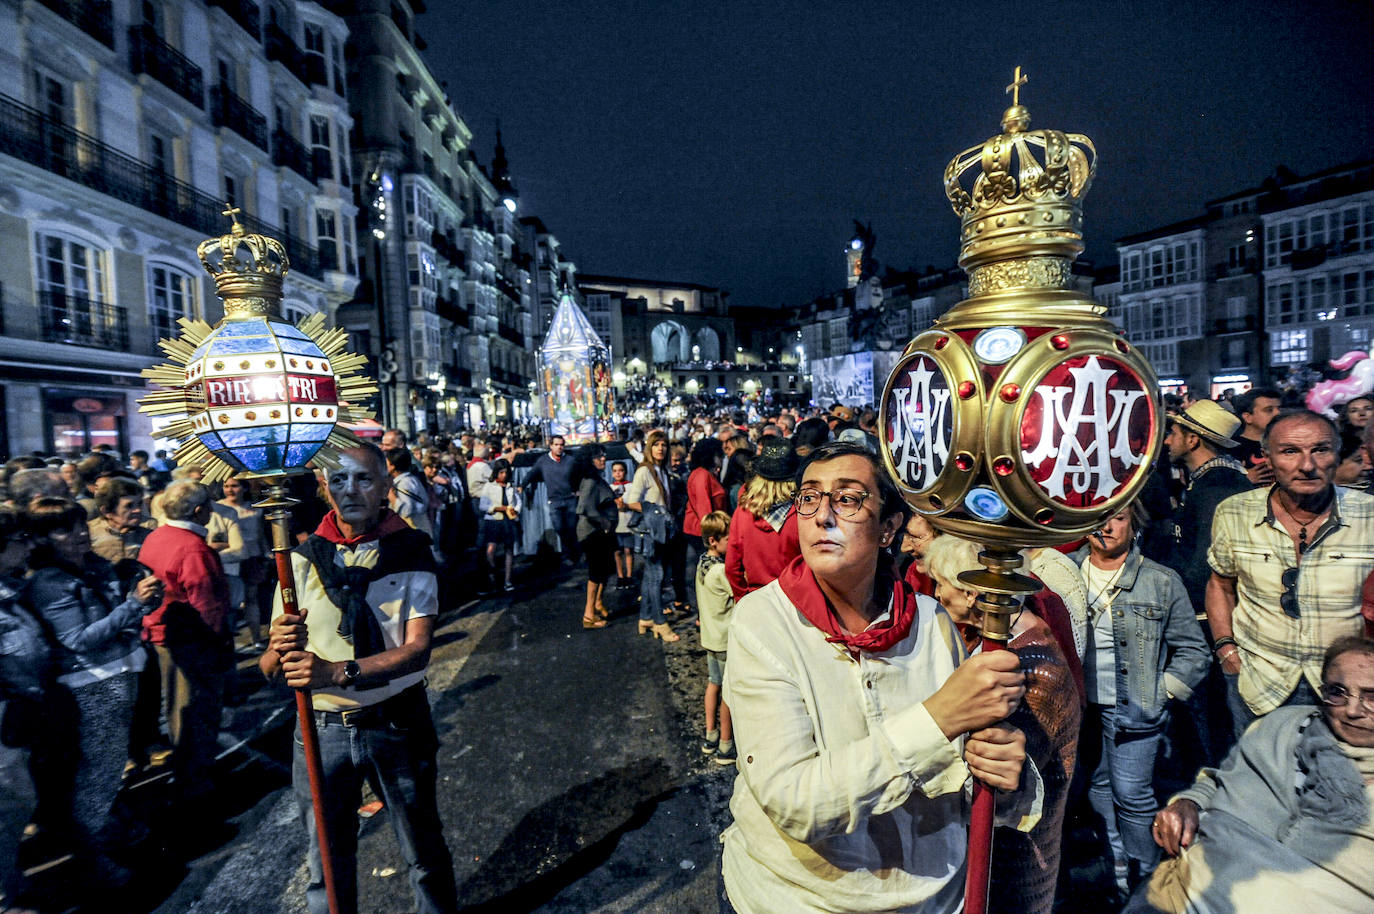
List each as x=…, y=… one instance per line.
x=732, y=143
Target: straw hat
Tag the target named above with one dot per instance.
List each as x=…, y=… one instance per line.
x=1209, y=420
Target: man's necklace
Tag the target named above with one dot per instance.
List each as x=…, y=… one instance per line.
x=1302, y=527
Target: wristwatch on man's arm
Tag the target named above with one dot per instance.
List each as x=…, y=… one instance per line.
x=351, y=673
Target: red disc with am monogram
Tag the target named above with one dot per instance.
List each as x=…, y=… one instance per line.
x=1087, y=429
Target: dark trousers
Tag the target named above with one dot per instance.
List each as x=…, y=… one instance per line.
x=399, y=760
x=193, y=676
x=563, y=517
x=680, y=568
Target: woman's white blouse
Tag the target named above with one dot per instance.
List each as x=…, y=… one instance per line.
x=642, y=488
x=849, y=797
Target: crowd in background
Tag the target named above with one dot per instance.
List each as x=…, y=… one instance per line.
x=127, y=588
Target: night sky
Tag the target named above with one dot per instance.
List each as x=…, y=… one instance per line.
x=733, y=143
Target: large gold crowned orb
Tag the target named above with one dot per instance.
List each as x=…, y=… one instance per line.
x=1022, y=417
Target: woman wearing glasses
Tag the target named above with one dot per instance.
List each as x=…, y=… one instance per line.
x=1143, y=647
x=857, y=726
x=1285, y=824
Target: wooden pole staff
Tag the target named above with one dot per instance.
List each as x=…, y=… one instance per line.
x=278, y=504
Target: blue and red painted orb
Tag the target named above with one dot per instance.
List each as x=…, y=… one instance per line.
x=261, y=395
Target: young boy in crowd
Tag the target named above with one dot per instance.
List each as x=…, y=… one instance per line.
x=714, y=603
x=625, y=540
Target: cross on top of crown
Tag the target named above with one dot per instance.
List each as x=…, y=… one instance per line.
x=1018, y=80
x=233, y=213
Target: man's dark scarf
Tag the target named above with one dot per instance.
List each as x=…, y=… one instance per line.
x=402, y=549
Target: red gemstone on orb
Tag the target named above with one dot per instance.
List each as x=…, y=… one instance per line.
x=941, y=342
x=966, y=389
x=964, y=461
x=1123, y=345
x=1003, y=466
x=1059, y=341
x=937, y=503
x=1010, y=392
x=1044, y=517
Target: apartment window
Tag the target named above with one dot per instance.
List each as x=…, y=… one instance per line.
x=1235, y=256
x=160, y=154
x=228, y=78
x=288, y=221
x=171, y=297
x=1233, y=354
x=154, y=17
x=327, y=234
x=341, y=144
x=53, y=98
x=1316, y=230
x=69, y=268
x=408, y=148
x=1280, y=298
x=1289, y=347
x=1350, y=225
x=314, y=40
x=336, y=58
x=231, y=190
x=350, y=246
x=320, y=152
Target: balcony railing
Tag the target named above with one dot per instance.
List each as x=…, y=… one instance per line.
x=42, y=141
x=150, y=54
x=93, y=17
x=289, y=152
x=280, y=47
x=449, y=311
x=65, y=318
x=458, y=377
x=228, y=110
x=508, y=332
x=245, y=12
x=505, y=376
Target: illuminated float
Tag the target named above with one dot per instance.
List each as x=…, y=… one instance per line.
x=575, y=397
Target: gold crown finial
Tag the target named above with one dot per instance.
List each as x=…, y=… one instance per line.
x=1019, y=197
x=1018, y=80
x=248, y=269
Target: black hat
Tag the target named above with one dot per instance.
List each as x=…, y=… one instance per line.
x=776, y=460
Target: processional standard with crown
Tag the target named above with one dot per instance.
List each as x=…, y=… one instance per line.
x=262, y=398
x=1022, y=417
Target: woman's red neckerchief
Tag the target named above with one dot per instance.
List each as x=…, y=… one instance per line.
x=798, y=582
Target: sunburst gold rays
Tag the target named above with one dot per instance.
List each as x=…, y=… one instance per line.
x=175, y=399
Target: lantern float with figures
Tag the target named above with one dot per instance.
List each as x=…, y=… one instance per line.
x=575, y=379
x=262, y=398
x=1021, y=417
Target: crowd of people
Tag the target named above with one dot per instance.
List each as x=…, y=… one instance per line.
x=1222, y=621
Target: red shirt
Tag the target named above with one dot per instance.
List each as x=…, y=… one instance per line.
x=704, y=495
x=195, y=599
x=756, y=553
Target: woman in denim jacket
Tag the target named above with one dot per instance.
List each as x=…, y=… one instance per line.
x=1143, y=648
x=96, y=619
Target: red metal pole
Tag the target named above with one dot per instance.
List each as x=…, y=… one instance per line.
x=279, y=503
x=979, y=862
x=1000, y=591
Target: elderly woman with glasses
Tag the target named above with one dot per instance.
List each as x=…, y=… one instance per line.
x=859, y=719
x=1287, y=822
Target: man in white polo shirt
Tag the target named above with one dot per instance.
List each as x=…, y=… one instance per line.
x=367, y=583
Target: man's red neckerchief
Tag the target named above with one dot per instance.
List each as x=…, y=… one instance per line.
x=389, y=522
